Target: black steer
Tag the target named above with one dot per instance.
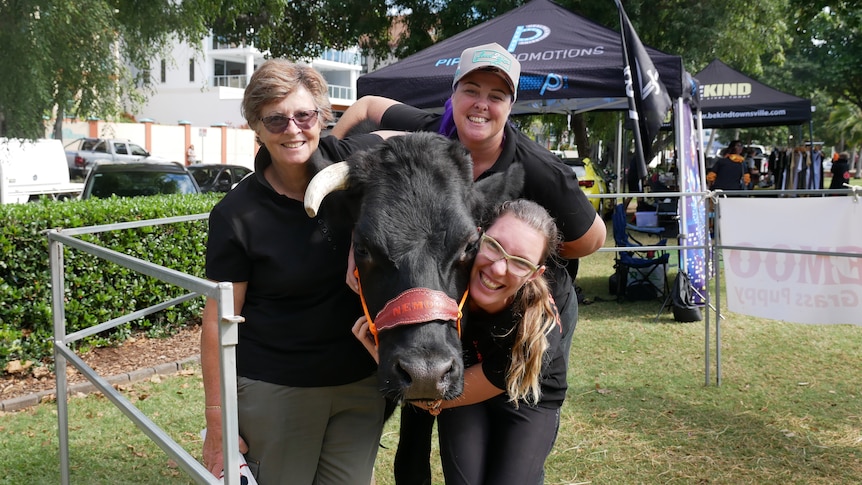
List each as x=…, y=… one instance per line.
x=414, y=243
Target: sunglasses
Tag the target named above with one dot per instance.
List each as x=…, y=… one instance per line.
x=491, y=249
x=304, y=120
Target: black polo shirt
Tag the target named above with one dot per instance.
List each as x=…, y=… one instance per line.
x=547, y=181
x=298, y=309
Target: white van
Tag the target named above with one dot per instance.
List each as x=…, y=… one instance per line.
x=31, y=170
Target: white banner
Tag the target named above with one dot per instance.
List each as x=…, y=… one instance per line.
x=794, y=287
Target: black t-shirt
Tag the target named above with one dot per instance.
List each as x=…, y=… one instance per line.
x=839, y=174
x=489, y=339
x=728, y=174
x=298, y=309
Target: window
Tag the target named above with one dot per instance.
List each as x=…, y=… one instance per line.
x=203, y=176
x=164, y=69
x=133, y=183
x=191, y=70
x=240, y=173
x=224, y=179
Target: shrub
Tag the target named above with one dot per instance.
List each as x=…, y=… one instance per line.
x=95, y=290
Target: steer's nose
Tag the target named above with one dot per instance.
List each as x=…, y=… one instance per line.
x=428, y=379
x=421, y=362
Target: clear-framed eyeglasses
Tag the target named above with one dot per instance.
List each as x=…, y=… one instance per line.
x=491, y=249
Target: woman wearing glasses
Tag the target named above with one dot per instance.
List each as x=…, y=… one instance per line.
x=501, y=429
x=309, y=410
x=484, y=90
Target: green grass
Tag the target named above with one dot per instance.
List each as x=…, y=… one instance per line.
x=789, y=409
x=105, y=446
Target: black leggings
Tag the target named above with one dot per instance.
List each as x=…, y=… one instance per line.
x=413, y=457
x=493, y=443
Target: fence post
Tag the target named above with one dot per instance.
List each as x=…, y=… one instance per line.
x=228, y=340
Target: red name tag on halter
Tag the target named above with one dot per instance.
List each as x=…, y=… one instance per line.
x=417, y=305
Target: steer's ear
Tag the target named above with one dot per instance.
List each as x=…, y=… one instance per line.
x=492, y=191
x=363, y=168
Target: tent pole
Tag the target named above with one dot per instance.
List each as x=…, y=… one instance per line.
x=710, y=249
x=700, y=155
x=818, y=184
x=619, y=156
x=715, y=258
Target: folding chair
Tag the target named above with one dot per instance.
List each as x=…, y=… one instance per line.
x=640, y=274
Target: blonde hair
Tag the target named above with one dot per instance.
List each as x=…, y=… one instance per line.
x=278, y=78
x=534, y=306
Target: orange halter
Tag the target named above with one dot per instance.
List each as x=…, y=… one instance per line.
x=416, y=305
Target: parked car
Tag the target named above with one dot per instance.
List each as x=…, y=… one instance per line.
x=216, y=177
x=83, y=152
x=138, y=178
x=591, y=182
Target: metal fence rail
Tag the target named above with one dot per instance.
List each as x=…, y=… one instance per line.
x=222, y=293
x=714, y=247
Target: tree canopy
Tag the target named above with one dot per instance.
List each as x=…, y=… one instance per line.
x=88, y=57
x=74, y=57
x=300, y=29
x=828, y=51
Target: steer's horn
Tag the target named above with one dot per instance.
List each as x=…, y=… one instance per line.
x=332, y=178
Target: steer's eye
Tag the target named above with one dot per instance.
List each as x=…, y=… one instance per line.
x=470, y=251
x=360, y=250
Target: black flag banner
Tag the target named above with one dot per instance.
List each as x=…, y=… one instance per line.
x=648, y=98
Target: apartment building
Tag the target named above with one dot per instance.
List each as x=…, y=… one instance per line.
x=205, y=88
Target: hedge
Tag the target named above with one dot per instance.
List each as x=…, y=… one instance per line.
x=95, y=290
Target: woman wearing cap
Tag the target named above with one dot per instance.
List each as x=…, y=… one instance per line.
x=484, y=88
x=308, y=406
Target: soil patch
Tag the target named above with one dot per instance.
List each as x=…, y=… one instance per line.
x=135, y=353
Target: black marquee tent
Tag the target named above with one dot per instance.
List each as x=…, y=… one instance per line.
x=730, y=99
x=569, y=64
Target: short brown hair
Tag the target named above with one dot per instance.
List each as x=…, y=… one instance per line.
x=278, y=78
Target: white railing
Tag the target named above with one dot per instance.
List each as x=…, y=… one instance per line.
x=239, y=81
x=222, y=293
x=344, y=57
x=235, y=81
x=342, y=92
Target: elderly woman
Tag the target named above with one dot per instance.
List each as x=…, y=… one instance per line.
x=309, y=410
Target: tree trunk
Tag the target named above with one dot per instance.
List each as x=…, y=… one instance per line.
x=856, y=158
x=579, y=128
x=58, y=127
